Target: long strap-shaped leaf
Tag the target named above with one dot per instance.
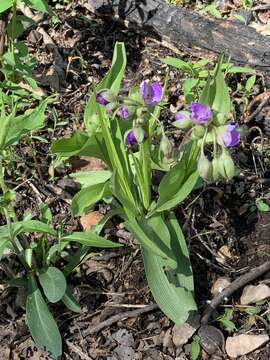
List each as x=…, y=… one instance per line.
x=172, y=288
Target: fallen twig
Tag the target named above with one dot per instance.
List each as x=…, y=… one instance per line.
x=77, y=350
x=119, y=317
x=235, y=285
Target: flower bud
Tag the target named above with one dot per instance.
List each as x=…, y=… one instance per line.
x=215, y=169
x=104, y=97
x=226, y=166
x=198, y=131
x=182, y=120
x=219, y=119
x=204, y=167
x=166, y=146
x=124, y=112
x=135, y=136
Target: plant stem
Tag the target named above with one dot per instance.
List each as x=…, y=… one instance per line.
x=15, y=242
x=13, y=25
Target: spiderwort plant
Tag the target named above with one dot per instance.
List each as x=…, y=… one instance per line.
x=32, y=262
x=124, y=130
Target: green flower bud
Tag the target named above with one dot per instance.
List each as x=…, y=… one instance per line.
x=204, y=167
x=226, y=166
x=166, y=146
x=182, y=120
x=139, y=134
x=210, y=137
x=219, y=119
x=215, y=169
x=198, y=131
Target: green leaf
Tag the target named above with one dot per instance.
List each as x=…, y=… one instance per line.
x=5, y=4
x=53, y=283
x=262, y=205
x=88, y=197
x=79, y=144
x=195, y=347
x=91, y=239
x=4, y=243
x=33, y=226
x=90, y=178
x=111, y=81
x=31, y=120
x=177, y=63
x=9, y=58
x=41, y=323
x=208, y=94
x=250, y=82
x=228, y=324
x=39, y=5
x=172, y=289
x=143, y=230
x=190, y=84
x=222, y=100
x=241, y=70
x=172, y=193
x=70, y=302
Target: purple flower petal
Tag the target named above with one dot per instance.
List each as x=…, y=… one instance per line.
x=151, y=93
x=123, y=112
x=101, y=98
x=131, y=138
x=200, y=113
x=180, y=117
x=231, y=136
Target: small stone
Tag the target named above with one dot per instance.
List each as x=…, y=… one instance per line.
x=219, y=285
x=244, y=344
x=252, y=294
x=211, y=340
x=181, y=334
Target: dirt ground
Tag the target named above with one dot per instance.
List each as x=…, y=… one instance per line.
x=226, y=234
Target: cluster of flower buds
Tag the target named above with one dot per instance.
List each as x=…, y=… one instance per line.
x=135, y=107
x=212, y=133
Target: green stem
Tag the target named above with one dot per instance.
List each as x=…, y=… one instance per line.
x=15, y=242
x=13, y=25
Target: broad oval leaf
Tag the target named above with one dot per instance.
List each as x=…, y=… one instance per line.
x=41, y=323
x=53, y=283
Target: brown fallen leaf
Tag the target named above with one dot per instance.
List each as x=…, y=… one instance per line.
x=86, y=163
x=252, y=294
x=244, y=344
x=90, y=220
x=219, y=285
x=181, y=334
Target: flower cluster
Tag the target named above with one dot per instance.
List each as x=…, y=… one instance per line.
x=213, y=134
x=135, y=108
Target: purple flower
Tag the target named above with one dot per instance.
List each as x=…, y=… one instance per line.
x=101, y=98
x=180, y=117
x=231, y=136
x=151, y=93
x=123, y=112
x=132, y=139
x=200, y=113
